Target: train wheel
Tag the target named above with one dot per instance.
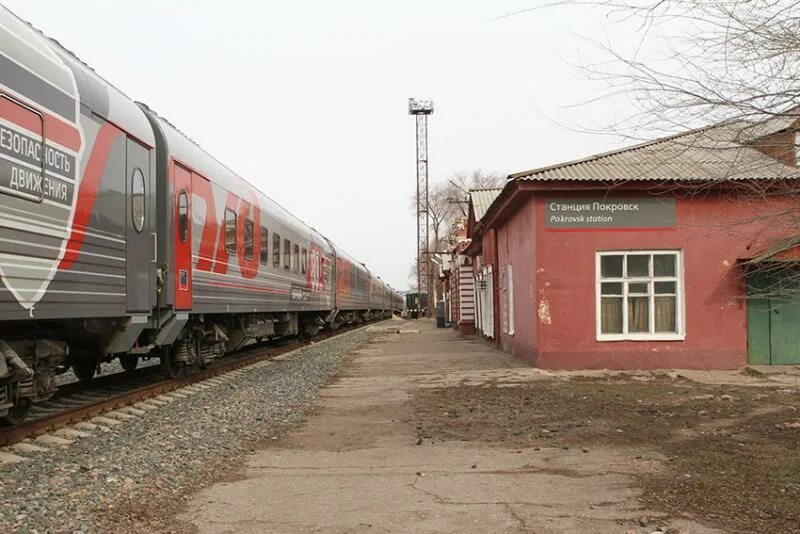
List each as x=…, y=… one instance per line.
x=169, y=367
x=84, y=369
x=16, y=413
x=129, y=362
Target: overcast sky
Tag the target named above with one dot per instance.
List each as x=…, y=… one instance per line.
x=308, y=99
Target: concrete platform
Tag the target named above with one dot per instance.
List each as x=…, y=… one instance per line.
x=356, y=465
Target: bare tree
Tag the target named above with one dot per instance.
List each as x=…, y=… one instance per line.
x=728, y=60
x=459, y=184
x=447, y=203
x=731, y=65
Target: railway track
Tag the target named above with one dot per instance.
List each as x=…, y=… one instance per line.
x=76, y=402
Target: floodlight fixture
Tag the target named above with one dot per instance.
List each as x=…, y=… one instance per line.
x=420, y=106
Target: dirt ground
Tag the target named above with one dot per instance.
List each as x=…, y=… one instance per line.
x=729, y=456
x=427, y=431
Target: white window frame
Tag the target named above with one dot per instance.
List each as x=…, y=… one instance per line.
x=510, y=298
x=476, y=290
x=503, y=274
x=797, y=149
x=484, y=301
x=680, y=312
x=488, y=321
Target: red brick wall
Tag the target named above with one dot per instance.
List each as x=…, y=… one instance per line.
x=554, y=285
x=517, y=238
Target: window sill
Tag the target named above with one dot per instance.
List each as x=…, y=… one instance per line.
x=642, y=337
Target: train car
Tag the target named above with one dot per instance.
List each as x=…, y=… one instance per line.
x=76, y=216
x=353, y=281
x=397, y=302
x=121, y=238
x=236, y=265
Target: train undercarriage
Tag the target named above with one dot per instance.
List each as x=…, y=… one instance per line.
x=27, y=374
x=30, y=364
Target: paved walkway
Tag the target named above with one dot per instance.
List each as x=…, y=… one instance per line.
x=355, y=465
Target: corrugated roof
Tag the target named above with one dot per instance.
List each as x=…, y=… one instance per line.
x=481, y=200
x=708, y=154
x=771, y=253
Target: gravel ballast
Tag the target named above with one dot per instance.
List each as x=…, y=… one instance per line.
x=133, y=477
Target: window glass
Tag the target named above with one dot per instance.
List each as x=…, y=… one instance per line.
x=264, y=248
x=640, y=300
x=230, y=231
x=276, y=250
x=611, y=266
x=665, y=288
x=638, y=265
x=638, y=314
x=665, y=313
x=296, y=258
x=638, y=288
x=611, y=315
x=304, y=261
x=183, y=216
x=664, y=265
x=137, y=200
x=249, y=231
x=287, y=254
x=611, y=288
x=664, y=305
x=27, y=189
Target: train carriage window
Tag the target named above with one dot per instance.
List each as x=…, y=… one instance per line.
x=249, y=230
x=296, y=258
x=264, y=250
x=137, y=200
x=183, y=215
x=304, y=261
x=287, y=254
x=230, y=231
x=276, y=250
x=19, y=182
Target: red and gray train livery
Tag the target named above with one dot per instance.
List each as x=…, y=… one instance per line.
x=121, y=238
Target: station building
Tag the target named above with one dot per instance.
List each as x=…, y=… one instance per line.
x=460, y=277
x=677, y=253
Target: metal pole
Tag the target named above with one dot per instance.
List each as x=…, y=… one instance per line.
x=419, y=259
x=423, y=214
x=429, y=285
x=421, y=109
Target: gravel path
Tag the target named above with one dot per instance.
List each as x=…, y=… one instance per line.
x=131, y=478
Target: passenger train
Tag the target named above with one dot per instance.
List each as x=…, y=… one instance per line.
x=122, y=238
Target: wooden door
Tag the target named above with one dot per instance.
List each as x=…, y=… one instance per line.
x=784, y=333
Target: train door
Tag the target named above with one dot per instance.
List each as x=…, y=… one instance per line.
x=139, y=230
x=182, y=242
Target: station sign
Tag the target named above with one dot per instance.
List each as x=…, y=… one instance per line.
x=645, y=212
